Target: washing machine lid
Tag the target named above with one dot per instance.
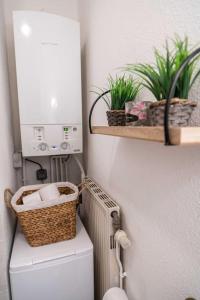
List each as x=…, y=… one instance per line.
x=24, y=256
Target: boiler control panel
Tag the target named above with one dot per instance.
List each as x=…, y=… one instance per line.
x=51, y=139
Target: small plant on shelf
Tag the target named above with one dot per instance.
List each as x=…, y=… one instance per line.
x=158, y=78
x=122, y=89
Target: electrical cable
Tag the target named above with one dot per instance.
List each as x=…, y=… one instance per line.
x=34, y=162
x=68, y=157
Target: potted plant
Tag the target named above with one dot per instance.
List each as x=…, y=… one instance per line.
x=158, y=77
x=122, y=90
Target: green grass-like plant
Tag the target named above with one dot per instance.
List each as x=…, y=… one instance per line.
x=122, y=89
x=158, y=77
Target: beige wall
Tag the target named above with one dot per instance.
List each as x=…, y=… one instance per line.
x=7, y=175
x=156, y=187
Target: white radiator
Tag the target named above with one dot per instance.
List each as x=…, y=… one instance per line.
x=96, y=211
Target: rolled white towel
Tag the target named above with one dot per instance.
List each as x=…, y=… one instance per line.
x=49, y=192
x=32, y=199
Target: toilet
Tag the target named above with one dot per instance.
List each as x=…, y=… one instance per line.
x=115, y=294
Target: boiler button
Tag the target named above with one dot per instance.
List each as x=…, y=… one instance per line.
x=64, y=146
x=43, y=146
x=54, y=147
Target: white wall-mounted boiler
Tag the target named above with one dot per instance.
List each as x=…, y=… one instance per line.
x=48, y=65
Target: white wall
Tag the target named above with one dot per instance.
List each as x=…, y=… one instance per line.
x=157, y=187
x=66, y=8
x=7, y=175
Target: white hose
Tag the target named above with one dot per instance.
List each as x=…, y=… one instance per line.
x=80, y=167
x=120, y=265
x=121, y=240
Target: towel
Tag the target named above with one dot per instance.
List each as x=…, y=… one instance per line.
x=49, y=192
x=32, y=199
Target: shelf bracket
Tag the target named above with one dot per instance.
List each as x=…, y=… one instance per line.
x=92, y=108
x=172, y=92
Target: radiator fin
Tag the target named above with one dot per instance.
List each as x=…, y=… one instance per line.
x=103, y=196
x=110, y=204
x=96, y=214
x=112, y=242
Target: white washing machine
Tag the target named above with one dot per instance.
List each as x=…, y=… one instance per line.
x=60, y=271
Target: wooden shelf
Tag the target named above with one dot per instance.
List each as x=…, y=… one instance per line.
x=178, y=135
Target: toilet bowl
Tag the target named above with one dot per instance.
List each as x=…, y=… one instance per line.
x=115, y=294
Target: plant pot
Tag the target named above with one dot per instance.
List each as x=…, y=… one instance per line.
x=137, y=113
x=116, y=117
x=179, y=113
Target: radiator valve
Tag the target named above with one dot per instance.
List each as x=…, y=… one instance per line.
x=116, y=220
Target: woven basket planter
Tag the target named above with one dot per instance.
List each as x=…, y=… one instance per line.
x=179, y=113
x=51, y=221
x=116, y=117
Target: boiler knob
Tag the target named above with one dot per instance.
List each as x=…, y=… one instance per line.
x=43, y=146
x=64, y=145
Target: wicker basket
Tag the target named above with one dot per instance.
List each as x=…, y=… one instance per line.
x=179, y=113
x=116, y=117
x=51, y=221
